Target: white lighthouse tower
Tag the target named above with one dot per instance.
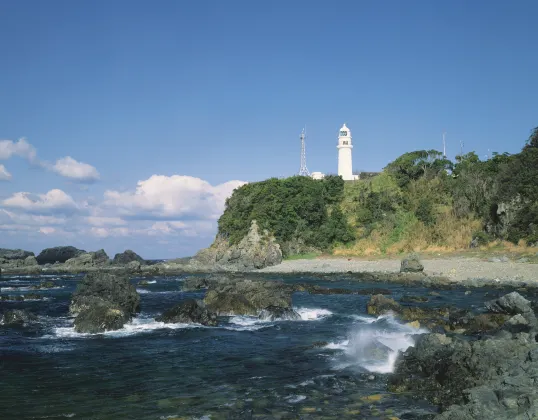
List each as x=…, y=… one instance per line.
x=345, y=167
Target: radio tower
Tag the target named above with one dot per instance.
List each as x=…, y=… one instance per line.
x=304, y=170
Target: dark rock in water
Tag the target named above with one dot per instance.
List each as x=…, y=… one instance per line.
x=193, y=283
x=277, y=313
x=493, y=378
x=44, y=285
x=413, y=299
x=314, y=289
x=58, y=254
x=126, y=257
x=246, y=297
x=511, y=304
x=109, y=300
x=379, y=305
x=101, y=316
x=374, y=291
x=188, y=312
x=15, y=254
x=411, y=265
x=16, y=317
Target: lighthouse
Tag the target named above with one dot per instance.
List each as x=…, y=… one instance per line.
x=345, y=167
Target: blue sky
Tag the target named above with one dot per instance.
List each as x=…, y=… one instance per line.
x=142, y=116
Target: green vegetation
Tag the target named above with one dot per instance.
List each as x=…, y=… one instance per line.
x=303, y=214
x=420, y=202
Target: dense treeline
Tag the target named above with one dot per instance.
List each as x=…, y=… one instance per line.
x=300, y=212
x=420, y=201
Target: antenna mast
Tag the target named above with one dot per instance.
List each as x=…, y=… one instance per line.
x=304, y=170
x=444, y=144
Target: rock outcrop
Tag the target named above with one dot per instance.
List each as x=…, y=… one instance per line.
x=256, y=250
x=15, y=254
x=247, y=297
x=126, y=257
x=188, y=312
x=88, y=259
x=103, y=302
x=58, y=254
x=491, y=378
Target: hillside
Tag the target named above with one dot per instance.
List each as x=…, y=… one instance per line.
x=419, y=202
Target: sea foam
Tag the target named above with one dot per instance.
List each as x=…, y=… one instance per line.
x=374, y=344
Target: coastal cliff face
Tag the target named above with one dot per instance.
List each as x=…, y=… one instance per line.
x=256, y=250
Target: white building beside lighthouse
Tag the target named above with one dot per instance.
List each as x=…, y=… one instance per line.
x=345, y=166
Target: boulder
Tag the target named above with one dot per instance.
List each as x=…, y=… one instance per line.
x=15, y=254
x=103, y=302
x=246, y=297
x=16, y=317
x=100, y=317
x=58, y=254
x=411, y=265
x=126, y=257
x=510, y=304
x=188, y=312
x=256, y=250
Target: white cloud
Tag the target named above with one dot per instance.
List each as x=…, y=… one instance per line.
x=4, y=174
x=55, y=201
x=22, y=149
x=66, y=166
x=172, y=198
x=105, y=221
x=47, y=230
x=179, y=210
x=78, y=171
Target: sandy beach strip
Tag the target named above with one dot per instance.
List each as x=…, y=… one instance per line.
x=456, y=268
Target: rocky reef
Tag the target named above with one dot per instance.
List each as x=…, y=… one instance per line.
x=491, y=375
x=103, y=302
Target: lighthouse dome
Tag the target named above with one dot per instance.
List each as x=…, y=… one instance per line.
x=344, y=131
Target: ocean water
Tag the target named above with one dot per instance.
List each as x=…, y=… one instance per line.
x=333, y=363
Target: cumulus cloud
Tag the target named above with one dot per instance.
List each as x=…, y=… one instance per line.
x=78, y=171
x=4, y=174
x=174, y=197
x=54, y=201
x=22, y=148
x=159, y=210
x=66, y=166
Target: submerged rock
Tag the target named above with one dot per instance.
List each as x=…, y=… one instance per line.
x=188, y=312
x=103, y=302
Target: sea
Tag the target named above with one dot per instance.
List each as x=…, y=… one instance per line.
x=333, y=363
